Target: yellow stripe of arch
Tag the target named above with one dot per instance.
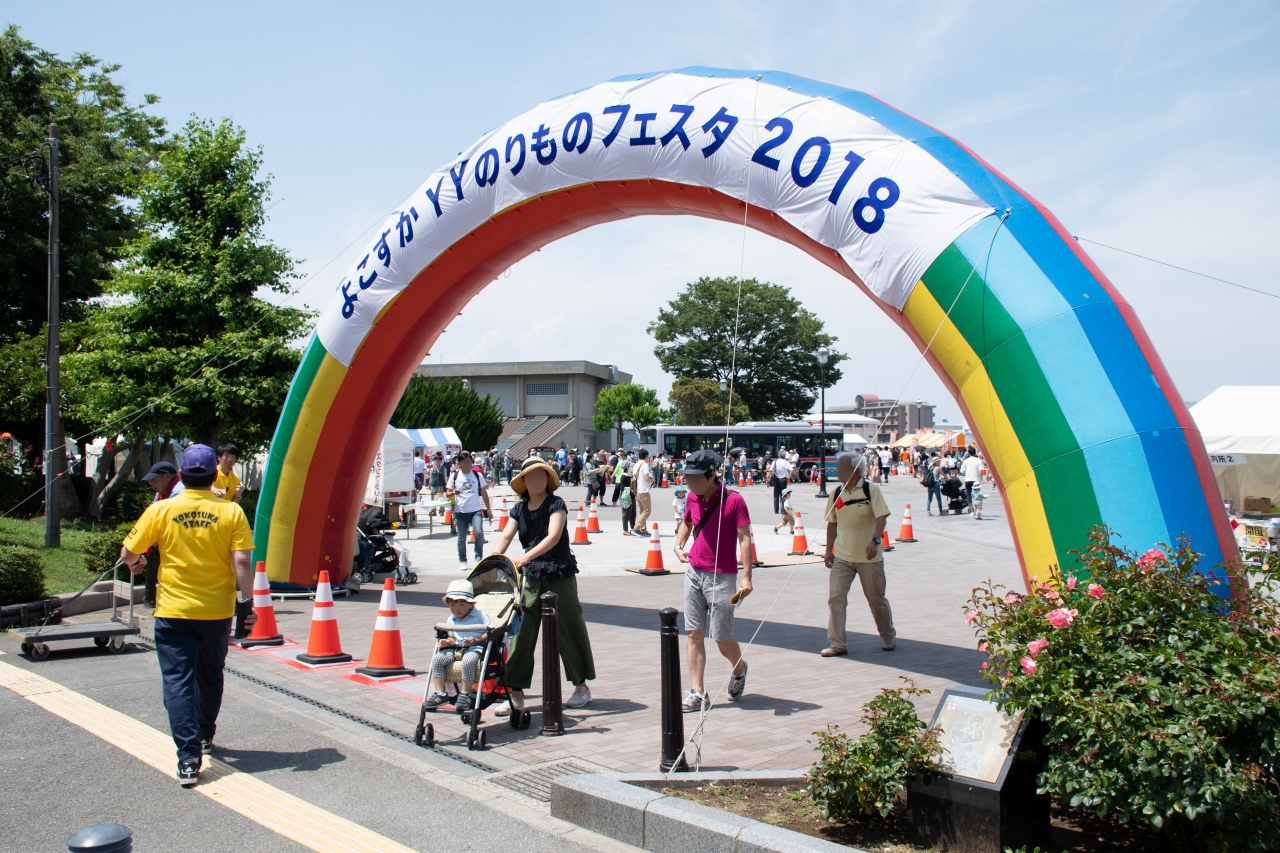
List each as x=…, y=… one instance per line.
x=297, y=461
x=1000, y=444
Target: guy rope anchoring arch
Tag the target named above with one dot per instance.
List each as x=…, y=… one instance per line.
x=1077, y=416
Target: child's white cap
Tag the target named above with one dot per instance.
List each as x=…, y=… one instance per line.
x=460, y=590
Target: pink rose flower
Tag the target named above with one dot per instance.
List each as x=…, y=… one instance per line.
x=985, y=664
x=1062, y=617
x=971, y=617
x=1035, y=647
x=1150, y=558
x=1012, y=599
x=1071, y=581
x=1097, y=591
x=1052, y=595
x=1028, y=666
x=982, y=647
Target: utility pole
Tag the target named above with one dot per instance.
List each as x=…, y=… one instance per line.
x=54, y=449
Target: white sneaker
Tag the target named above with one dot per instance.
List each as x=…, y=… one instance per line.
x=517, y=699
x=581, y=696
x=695, y=702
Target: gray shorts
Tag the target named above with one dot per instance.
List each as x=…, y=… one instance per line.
x=701, y=591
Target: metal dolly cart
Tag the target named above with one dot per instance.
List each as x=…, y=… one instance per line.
x=105, y=635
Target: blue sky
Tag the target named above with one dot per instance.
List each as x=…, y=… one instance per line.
x=1149, y=126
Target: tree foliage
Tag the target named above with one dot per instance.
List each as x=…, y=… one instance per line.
x=107, y=145
x=1162, y=701
x=776, y=371
x=430, y=403
x=627, y=403
x=700, y=402
x=184, y=323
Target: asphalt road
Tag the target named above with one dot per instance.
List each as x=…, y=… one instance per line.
x=58, y=777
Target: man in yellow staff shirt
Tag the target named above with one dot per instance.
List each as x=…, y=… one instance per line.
x=205, y=549
x=226, y=484
x=856, y=515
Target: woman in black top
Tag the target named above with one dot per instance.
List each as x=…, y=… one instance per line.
x=541, y=520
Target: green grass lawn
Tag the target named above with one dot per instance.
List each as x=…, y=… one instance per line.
x=63, y=567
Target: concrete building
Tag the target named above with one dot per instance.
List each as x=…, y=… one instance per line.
x=544, y=403
x=897, y=417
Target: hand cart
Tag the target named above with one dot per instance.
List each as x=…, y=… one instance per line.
x=105, y=635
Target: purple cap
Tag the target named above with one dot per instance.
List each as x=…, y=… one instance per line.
x=199, y=460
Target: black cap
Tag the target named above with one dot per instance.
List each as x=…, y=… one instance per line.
x=158, y=469
x=703, y=462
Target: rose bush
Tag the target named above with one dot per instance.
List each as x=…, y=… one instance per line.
x=1162, y=701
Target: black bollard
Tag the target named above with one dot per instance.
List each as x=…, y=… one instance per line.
x=552, y=711
x=672, y=713
x=101, y=838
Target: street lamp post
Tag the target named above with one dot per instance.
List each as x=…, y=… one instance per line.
x=724, y=386
x=54, y=444
x=823, y=355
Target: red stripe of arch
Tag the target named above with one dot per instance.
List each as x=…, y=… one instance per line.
x=403, y=335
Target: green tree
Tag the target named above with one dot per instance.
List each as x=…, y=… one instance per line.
x=107, y=145
x=776, y=374
x=428, y=403
x=184, y=324
x=627, y=403
x=700, y=402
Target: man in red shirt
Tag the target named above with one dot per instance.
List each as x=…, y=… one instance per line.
x=720, y=526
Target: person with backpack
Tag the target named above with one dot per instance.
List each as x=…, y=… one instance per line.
x=856, y=516
x=470, y=490
x=930, y=474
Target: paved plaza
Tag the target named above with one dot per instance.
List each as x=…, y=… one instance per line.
x=791, y=691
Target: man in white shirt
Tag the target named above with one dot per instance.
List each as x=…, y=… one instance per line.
x=419, y=474
x=970, y=472
x=642, y=480
x=470, y=492
x=781, y=470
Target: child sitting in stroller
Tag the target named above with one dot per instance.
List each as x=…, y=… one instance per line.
x=953, y=491
x=463, y=646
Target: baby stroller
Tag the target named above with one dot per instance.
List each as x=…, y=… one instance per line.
x=953, y=490
x=499, y=586
x=377, y=552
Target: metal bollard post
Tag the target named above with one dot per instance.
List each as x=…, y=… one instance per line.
x=101, y=838
x=672, y=713
x=552, y=710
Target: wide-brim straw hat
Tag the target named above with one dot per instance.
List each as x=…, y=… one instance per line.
x=530, y=464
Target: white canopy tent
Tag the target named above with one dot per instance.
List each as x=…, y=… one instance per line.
x=1240, y=425
x=391, y=475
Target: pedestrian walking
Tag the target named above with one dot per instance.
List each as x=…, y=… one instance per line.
x=470, y=491
x=856, y=515
x=205, y=549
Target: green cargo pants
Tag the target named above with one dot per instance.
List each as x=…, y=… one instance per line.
x=571, y=629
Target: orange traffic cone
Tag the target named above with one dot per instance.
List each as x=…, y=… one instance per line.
x=750, y=480
x=448, y=516
x=323, y=646
x=755, y=558
x=653, y=562
x=264, y=631
x=799, y=542
x=664, y=479
x=386, y=658
x=907, y=533
x=593, y=518
x=502, y=519
x=580, y=532
x=472, y=536
x=884, y=542
x=741, y=482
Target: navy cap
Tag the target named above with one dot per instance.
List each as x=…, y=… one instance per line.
x=158, y=469
x=703, y=462
x=199, y=460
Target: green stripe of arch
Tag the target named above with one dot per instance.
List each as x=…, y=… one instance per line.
x=312, y=358
x=1066, y=487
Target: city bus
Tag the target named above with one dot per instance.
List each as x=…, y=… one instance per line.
x=753, y=438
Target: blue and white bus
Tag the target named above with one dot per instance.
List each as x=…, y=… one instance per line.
x=753, y=438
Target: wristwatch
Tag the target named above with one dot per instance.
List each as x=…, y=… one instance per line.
x=875, y=541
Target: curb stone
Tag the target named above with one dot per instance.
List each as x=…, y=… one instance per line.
x=627, y=807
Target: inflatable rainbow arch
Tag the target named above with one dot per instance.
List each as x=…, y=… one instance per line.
x=1071, y=405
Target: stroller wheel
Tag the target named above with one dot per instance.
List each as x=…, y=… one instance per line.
x=431, y=735
x=413, y=578
x=419, y=733
x=526, y=717
x=482, y=740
